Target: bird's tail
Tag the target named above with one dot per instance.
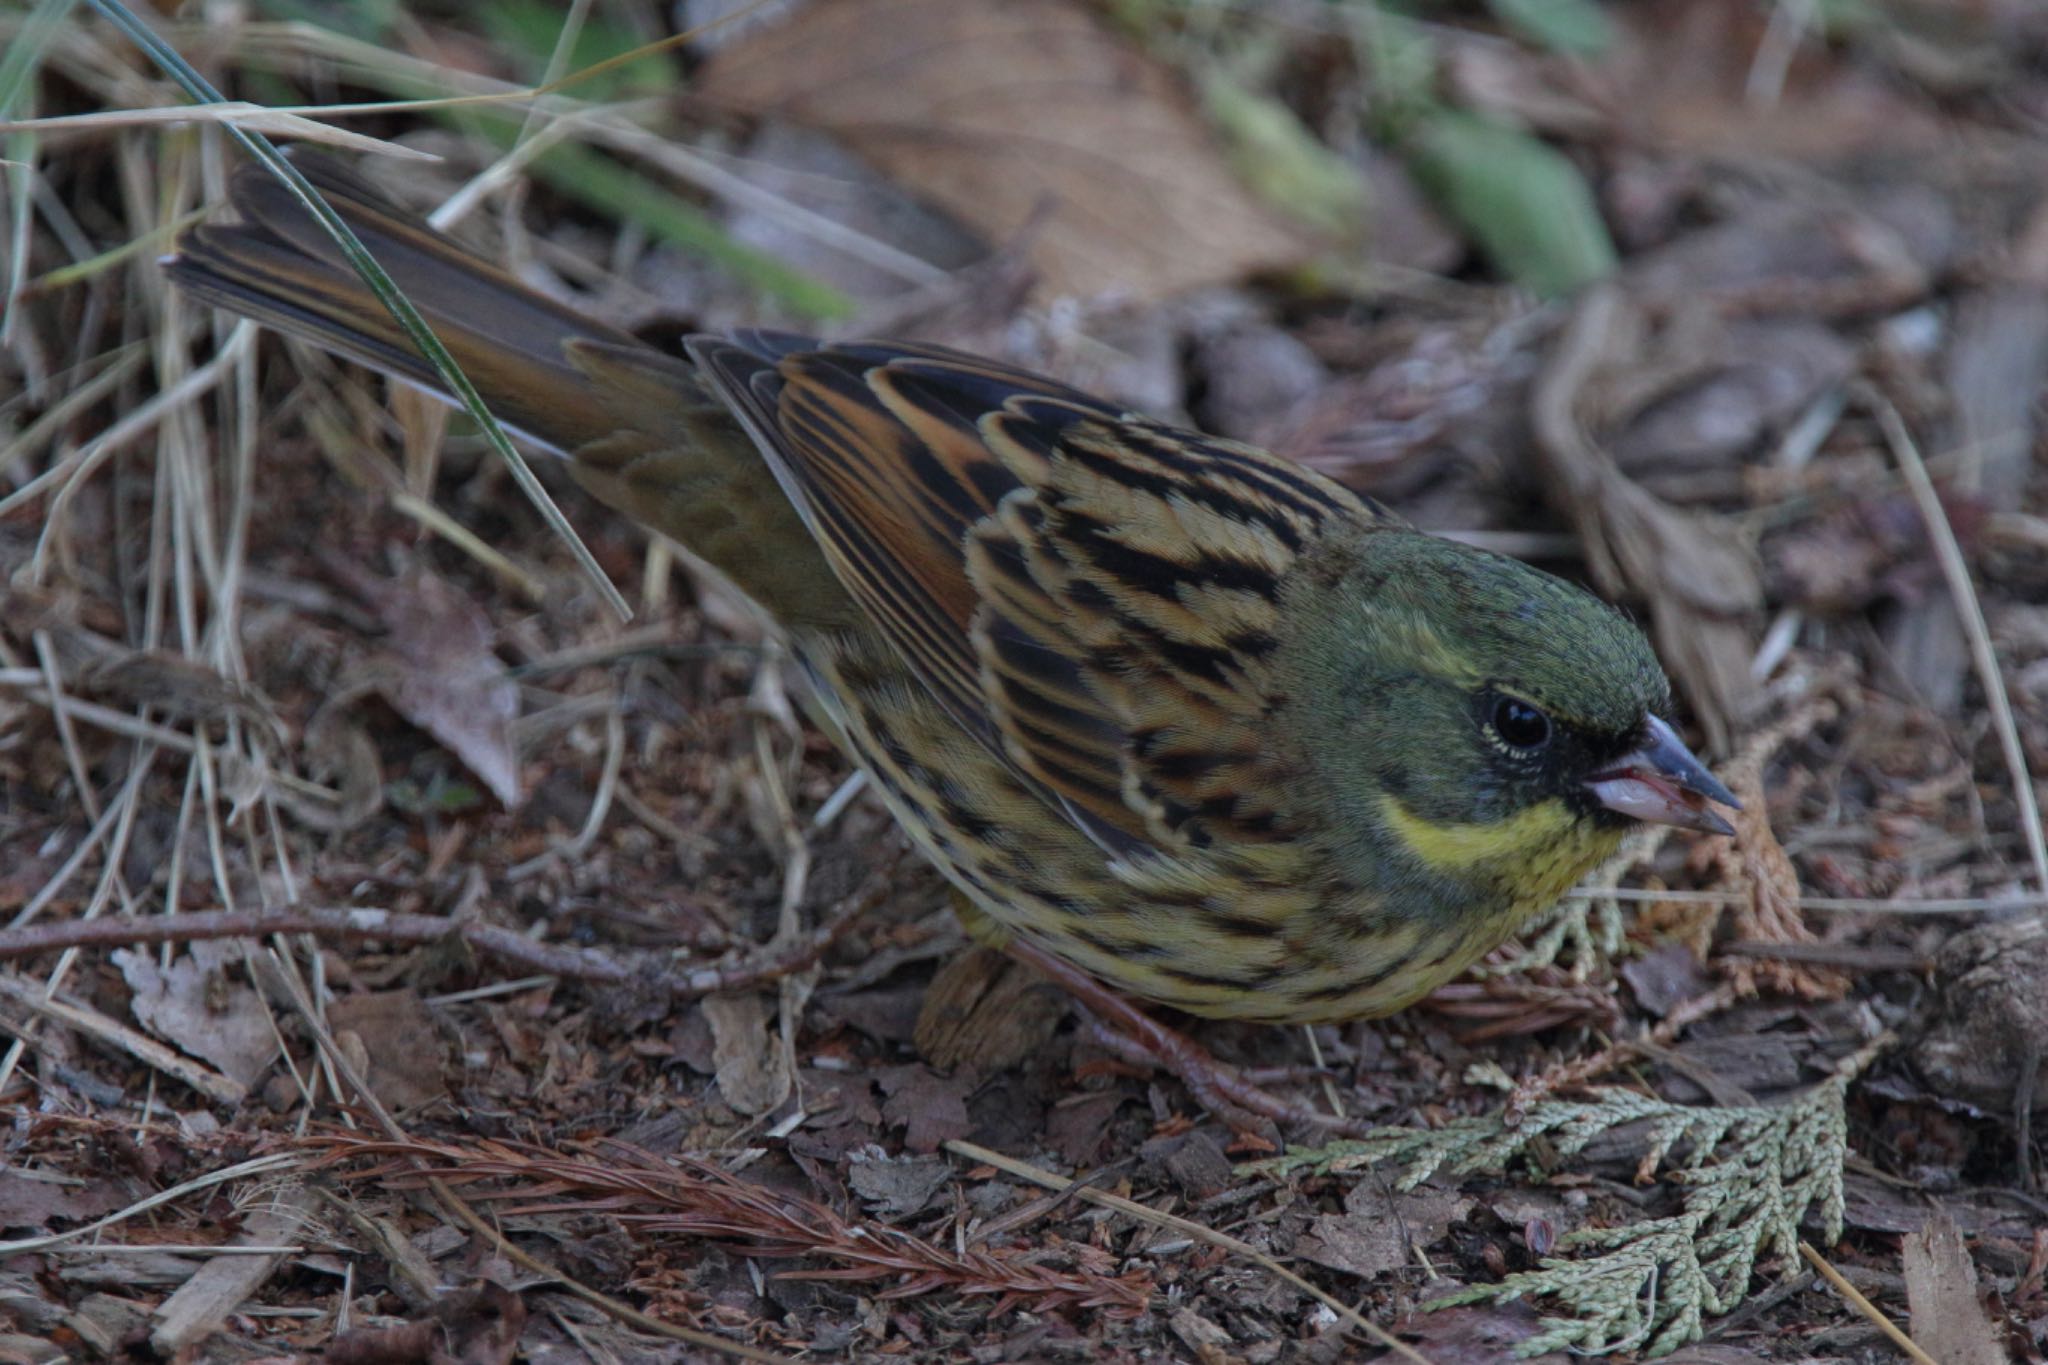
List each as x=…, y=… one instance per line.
x=523, y=351
x=642, y=430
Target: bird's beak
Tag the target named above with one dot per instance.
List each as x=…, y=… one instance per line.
x=1662, y=783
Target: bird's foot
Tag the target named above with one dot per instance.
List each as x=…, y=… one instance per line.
x=1132, y=1035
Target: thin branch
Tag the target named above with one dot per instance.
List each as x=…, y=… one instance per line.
x=1864, y=1306
x=348, y=924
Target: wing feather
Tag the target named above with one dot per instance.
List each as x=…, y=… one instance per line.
x=1092, y=595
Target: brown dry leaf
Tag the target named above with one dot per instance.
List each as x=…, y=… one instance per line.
x=931, y=1108
x=193, y=1004
x=899, y=1187
x=438, y=671
x=1699, y=577
x=1475, y=1334
x=406, y=1061
x=1379, y=1230
x=29, y=1205
x=1865, y=252
x=1996, y=366
x=752, y=1068
x=1000, y=112
x=1948, y=1321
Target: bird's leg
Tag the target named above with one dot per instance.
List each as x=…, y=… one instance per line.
x=1137, y=1037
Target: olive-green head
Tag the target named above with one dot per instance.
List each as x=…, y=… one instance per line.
x=1472, y=714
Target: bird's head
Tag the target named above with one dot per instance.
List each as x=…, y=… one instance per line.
x=1484, y=717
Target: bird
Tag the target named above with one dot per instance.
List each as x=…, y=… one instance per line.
x=1177, y=717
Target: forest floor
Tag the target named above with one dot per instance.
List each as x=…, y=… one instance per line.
x=406, y=958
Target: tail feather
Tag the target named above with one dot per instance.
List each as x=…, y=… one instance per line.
x=520, y=348
x=642, y=432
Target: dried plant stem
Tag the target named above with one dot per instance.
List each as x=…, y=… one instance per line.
x=1865, y=1306
x=42, y=1003
x=1957, y=571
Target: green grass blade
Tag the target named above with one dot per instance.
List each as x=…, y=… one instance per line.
x=179, y=70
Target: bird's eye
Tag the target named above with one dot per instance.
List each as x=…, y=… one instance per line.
x=1520, y=725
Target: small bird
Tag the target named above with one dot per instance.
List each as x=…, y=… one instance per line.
x=1166, y=708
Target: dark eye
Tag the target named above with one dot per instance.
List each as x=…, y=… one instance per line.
x=1520, y=725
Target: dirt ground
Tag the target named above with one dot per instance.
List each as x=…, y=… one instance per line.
x=406, y=957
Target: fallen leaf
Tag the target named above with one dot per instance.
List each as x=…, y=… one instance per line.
x=1524, y=201
x=194, y=1005
x=1803, y=260
x=480, y=1325
x=437, y=669
x=1948, y=1319
x=1664, y=977
x=405, y=1058
x=1015, y=115
x=1205, y=1338
x=930, y=1107
x=1274, y=152
x=1578, y=27
x=29, y=1205
x=752, y=1069
x=896, y=1187
x=1193, y=1161
x=1078, y=1129
x=1378, y=1227
x=1742, y=383
x=1685, y=74
x=1475, y=1334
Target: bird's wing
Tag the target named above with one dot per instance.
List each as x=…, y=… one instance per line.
x=1092, y=595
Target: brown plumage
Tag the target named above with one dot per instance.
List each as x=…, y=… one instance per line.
x=1178, y=711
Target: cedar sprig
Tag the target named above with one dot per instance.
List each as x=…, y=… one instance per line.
x=1749, y=1176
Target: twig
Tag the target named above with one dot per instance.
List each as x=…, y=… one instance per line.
x=1865, y=1306
x=1853, y=957
x=1905, y=905
x=354, y=923
x=198, y=1307
x=204, y=1079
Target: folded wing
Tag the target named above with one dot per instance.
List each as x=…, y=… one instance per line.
x=1094, y=596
